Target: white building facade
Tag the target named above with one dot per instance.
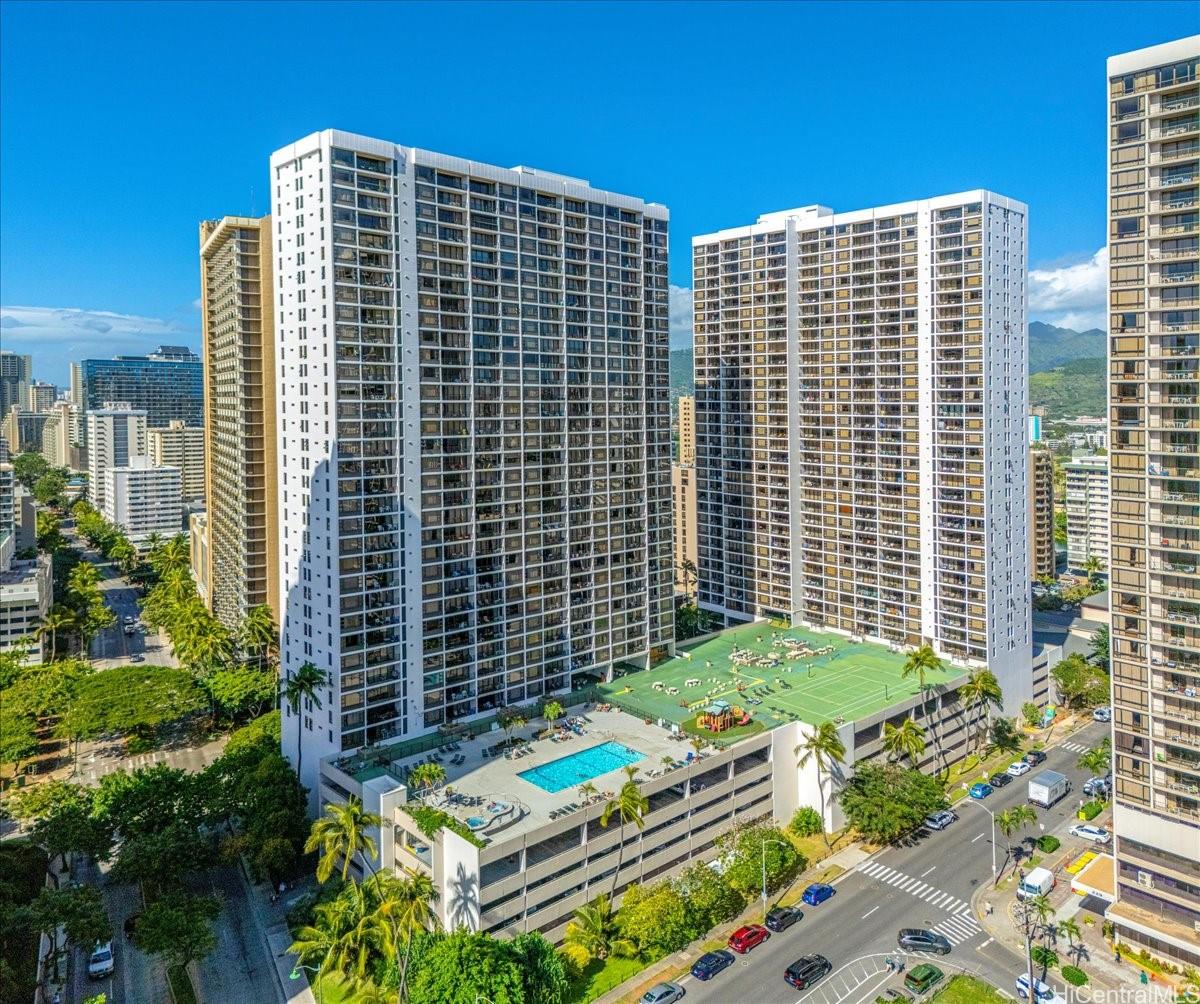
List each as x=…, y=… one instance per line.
x=474, y=435
x=144, y=500
x=861, y=403
x=116, y=434
x=1087, y=510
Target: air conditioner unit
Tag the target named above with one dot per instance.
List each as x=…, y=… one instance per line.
x=1145, y=879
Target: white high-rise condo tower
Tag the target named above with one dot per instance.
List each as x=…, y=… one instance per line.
x=474, y=436
x=861, y=402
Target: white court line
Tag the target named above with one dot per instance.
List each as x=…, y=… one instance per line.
x=924, y=873
x=980, y=837
x=869, y=912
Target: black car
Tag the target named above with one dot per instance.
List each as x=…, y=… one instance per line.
x=1000, y=780
x=782, y=917
x=915, y=939
x=711, y=963
x=1035, y=757
x=804, y=972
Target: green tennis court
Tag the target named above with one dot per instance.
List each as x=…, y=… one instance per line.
x=776, y=674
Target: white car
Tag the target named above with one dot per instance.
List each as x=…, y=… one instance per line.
x=1043, y=993
x=1096, y=834
x=100, y=964
x=1102, y=714
x=1018, y=768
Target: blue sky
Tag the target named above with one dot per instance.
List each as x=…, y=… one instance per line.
x=124, y=125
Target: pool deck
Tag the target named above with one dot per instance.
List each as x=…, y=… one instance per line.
x=495, y=778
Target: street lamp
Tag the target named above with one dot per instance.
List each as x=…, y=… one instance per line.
x=315, y=970
x=972, y=801
x=767, y=840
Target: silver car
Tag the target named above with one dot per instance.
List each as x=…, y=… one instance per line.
x=100, y=963
x=664, y=993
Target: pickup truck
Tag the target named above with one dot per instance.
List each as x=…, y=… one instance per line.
x=1048, y=787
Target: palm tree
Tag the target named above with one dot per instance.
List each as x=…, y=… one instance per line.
x=552, y=712
x=688, y=568
x=124, y=554
x=906, y=741
x=1008, y=822
x=259, y=637
x=58, y=618
x=406, y=908
x=1070, y=930
x=174, y=555
x=981, y=693
x=1093, y=566
x=1097, y=760
x=587, y=791
x=344, y=933
x=304, y=683
x=826, y=750
x=427, y=776
x=342, y=832
x=630, y=806
x=923, y=662
x=593, y=934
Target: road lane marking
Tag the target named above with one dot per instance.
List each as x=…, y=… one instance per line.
x=985, y=944
x=924, y=873
x=980, y=837
x=869, y=912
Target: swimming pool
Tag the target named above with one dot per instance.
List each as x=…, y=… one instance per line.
x=572, y=771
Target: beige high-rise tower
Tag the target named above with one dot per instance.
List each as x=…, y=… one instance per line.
x=687, y=430
x=241, y=557
x=1154, y=419
x=1041, y=513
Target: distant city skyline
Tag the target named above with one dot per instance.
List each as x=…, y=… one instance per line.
x=107, y=265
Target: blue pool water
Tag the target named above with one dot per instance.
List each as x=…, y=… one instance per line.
x=571, y=771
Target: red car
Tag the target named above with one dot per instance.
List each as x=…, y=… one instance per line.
x=746, y=938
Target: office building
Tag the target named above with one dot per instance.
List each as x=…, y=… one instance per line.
x=166, y=385
x=41, y=396
x=1086, y=505
x=62, y=436
x=180, y=445
x=240, y=558
x=1042, y=558
x=861, y=403
x=16, y=374
x=22, y=429
x=116, y=434
x=1154, y=420
x=683, y=495
x=474, y=435
x=687, y=430
x=144, y=500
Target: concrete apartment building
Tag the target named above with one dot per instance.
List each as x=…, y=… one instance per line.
x=24, y=585
x=143, y=500
x=474, y=435
x=1154, y=420
x=239, y=560
x=1042, y=559
x=861, y=403
x=62, y=436
x=683, y=498
x=116, y=434
x=181, y=446
x=16, y=374
x=687, y=429
x=41, y=396
x=1086, y=505
x=23, y=429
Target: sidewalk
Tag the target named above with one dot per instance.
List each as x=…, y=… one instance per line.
x=271, y=920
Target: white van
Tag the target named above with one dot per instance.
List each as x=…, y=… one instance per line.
x=1037, y=883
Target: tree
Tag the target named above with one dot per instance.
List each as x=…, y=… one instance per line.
x=425, y=777
x=1008, y=822
x=299, y=687
x=922, y=663
x=72, y=826
x=29, y=467
x=1079, y=683
x=77, y=910
x=1032, y=714
x=826, y=751
x=58, y=618
x=1100, y=647
x=463, y=967
x=1097, y=760
x=552, y=712
x=543, y=974
x=18, y=732
x=161, y=858
x=593, y=934
x=41, y=800
x=49, y=531
x=178, y=926
x=687, y=621
x=258, y=636
x=342, y=833
x=405, y=906
x=906, y=741
x=1071, y=930
x=655, y=918
x=981, y=693
x=510, y=720
x=746, y=850
x=1004, y=735
x=711, y=900
x=49, y=487
x=887, y=802
x=806, y=822
x=130, y=699
x=241, y=689
x=342, y=935
x=148, y=800
x=124, y=554
x=172, y=556
x=629, y=806
x=1093, y=566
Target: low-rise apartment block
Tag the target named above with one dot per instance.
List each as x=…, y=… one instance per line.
x=144, y=500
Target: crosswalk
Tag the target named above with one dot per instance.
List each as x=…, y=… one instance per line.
x=960, y=926
x=1075, y=747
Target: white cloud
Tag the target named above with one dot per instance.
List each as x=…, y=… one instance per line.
x=56, y=336
x=1072, y=295
x=681, y=317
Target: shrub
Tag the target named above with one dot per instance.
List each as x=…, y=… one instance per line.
x=1074, y=975
x=1032, y=714
x=1042, y=956
x=806, y=822
x=1090, y=810
x=1048, y=844
x=431, y=821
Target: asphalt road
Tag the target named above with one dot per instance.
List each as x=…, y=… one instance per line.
x=926, y=883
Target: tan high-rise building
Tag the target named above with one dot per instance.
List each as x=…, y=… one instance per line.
x=238, y=318
x=687, y=430
x=1154, y=421
x=1041, y=513
x=180, y=445
x=683, y=494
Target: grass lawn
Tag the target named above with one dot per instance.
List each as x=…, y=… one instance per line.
x=333, y=991
x=968, y=990
x=181, y=985
x=600, y=977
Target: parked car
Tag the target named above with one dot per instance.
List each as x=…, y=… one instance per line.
x=923, y=977
x=1043, y=993
x=817, y=893
x=805, y=971
x=916, y=939
x=711, y=963
x=1102, y=714
x=1097, y=787
x=750, y=936
x=981, y=789
x=1000, y=779
x=1096, y=834
x=663, y=993
x=101, y=963
x=940, y=820
x=129, y=629
x=1018, y=768
x=1035, y=757
x=128, y=619
x=782, y=917
x=137, y=657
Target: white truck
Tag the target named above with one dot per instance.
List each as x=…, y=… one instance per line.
x=1037, y=883
x=1048, y=787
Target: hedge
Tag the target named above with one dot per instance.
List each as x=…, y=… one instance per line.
x=431, y=821
x=1090, y=810
x=1048, y=844
x=1074, y=975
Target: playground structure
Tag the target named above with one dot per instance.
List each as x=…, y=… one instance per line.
x=721, y=716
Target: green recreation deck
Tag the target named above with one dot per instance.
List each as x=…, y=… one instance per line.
x=853, y=681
